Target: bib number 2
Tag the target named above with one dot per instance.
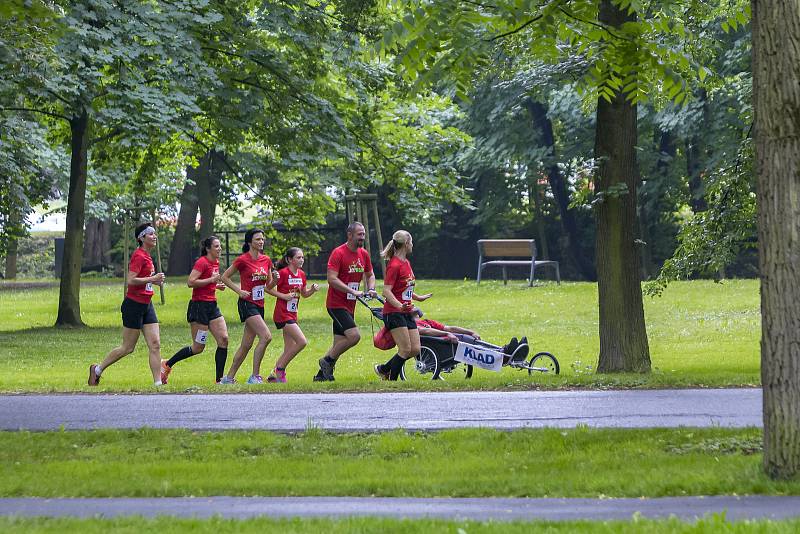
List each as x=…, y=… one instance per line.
x=291, y=306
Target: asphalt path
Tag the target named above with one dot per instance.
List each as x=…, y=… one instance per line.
x=496, y=509
x=342, y=412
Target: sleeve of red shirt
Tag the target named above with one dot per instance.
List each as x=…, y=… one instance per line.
x=334, y=261
x=391, y=276
x=137, y=262
x=436, y=325
x=198, y=265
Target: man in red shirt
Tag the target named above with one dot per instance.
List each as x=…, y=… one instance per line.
x=348, y=264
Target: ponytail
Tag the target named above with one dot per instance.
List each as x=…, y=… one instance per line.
x=399, y=240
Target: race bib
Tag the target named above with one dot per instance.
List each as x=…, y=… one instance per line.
x=201, y=337
x=257, y=293
x=354, y=286
x=408, y=293
x=148, y=286
x=479, y=357
x=291, y=305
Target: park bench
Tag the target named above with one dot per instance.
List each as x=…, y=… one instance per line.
x=511, y=248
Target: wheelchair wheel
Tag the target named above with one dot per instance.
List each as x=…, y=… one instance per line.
x=423, y=367
x=544, y=362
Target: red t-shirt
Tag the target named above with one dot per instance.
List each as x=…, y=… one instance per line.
x=430, y=323
x=253, y=275
x=286, y=310
x=351, y=268
x=207, y=269
x=142, y=264
x=400, y=276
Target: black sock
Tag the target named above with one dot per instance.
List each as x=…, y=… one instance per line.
x=182, y=354
x=394, y=365
x=330, y=360
x=220, y=357
x=280, y=368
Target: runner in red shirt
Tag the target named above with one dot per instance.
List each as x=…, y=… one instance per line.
x=348, y=264
x=256, y=278
x=203, y=314
x=292, y=285
x=398, y=307
x=138, y=314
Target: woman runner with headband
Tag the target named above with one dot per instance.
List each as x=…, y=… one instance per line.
x=255, y=276
x=203, y=314
x=292, y=284
x=138, y=314
x=398, y=308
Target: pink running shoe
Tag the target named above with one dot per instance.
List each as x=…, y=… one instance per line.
x=277, y=376
x=165, y=371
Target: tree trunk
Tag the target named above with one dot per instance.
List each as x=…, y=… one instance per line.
x=559, y=187
x=696, y=159
x=97, y=243
x=180, y=252
x=209, y=177
x=623, y=337
x=541, y=242
x=69, y=297
x=11, y=258
x=776, y=104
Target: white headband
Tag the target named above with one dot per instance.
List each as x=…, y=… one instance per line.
x=147, y=231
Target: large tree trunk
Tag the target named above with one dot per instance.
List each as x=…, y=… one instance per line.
x=12, y=247
x=623, y=337
x=541, y=242
x=180, y=252
x=69, y=297
x=776, y=103
x=97, y=243
x=209, y=177
x=559, y=188
x=696, y=158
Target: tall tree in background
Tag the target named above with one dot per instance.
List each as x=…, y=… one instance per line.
x=776, y=99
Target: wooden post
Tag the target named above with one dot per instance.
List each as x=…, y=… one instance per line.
x=125, y=254
x=158, y=259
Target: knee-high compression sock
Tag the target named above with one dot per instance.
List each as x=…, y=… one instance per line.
x=220, y=357
x=182, y=354
x=395, y=365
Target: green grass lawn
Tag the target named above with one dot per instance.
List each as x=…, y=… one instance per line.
x=579, y=462
x=701, y=333
x=712, y=525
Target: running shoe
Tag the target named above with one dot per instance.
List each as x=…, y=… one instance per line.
x=255, y=379
x=277, y=376
x=512, y=346
x=94, y=378
x=383, y=375
x=226, y=381
x=165, y=371
x=318, y=377
x=326, y=369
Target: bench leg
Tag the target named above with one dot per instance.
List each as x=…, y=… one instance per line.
x=530, y=280
x=505, y=276
x=558, y=275
x=480, y=268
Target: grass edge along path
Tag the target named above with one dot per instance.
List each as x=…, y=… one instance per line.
x=712, y=524
x=581, y=462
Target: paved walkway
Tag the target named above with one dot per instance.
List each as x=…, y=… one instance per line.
x=387, y=411
x=688, y=508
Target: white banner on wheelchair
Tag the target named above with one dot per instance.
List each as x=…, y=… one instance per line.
x=479, y=357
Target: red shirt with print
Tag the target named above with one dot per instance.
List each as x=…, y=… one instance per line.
x=430, y=323
x=207, y=269
x=142, y=264
x=400, y=276
x=350, y=267
x=253, y=275
x=286, y=310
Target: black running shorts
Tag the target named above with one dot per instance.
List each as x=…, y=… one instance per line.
x=280, y=326
x=135, y=314
x=399, y=320
x=202, y=312
x=342, y=320
x=248, y=309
